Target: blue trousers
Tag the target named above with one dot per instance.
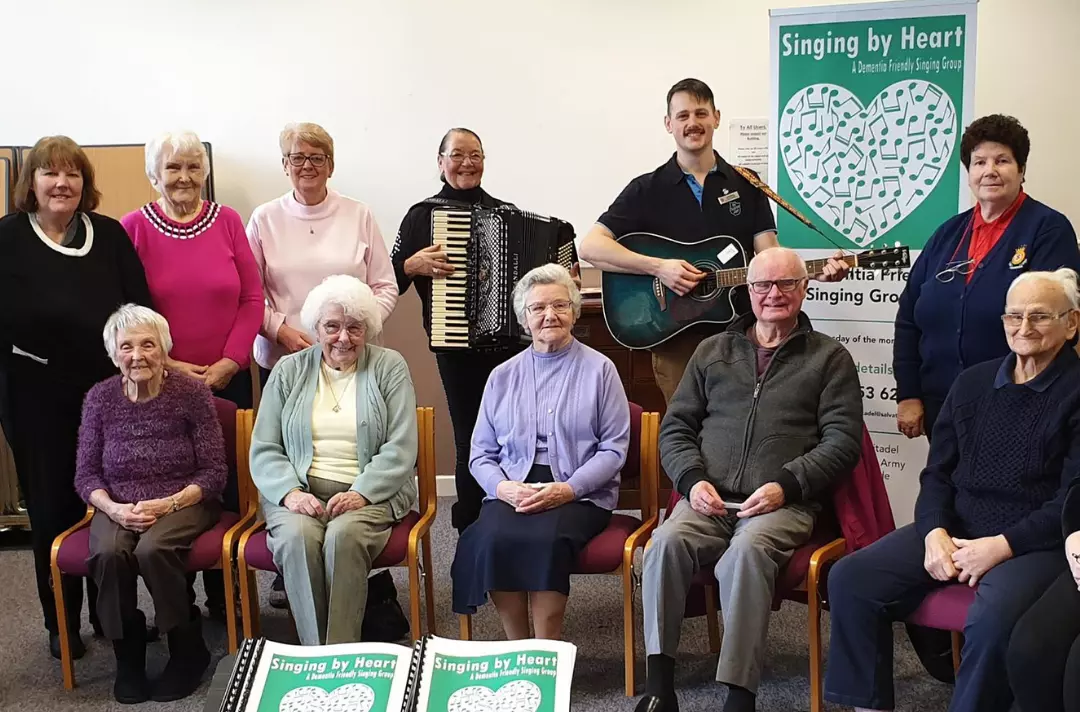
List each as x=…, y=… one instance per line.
x=886, y=582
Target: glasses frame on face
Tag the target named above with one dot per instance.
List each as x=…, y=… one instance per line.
x=355, y=330
x=458, y=158
x=1038, y=320
x=559, y=306
x=317, y=160
x=786, y=286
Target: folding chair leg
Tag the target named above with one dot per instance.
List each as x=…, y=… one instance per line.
x=711, y=616
x=817, y=698
x=465, y=627
x=429, y=585
x=67, y=663
x=957, y=646
x=629, y=647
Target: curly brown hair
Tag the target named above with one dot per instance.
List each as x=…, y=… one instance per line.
x=998, y=128
x=56, y=152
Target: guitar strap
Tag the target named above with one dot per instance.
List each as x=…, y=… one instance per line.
x=753, y=180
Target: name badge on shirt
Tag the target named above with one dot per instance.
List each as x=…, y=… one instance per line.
x=725, y=199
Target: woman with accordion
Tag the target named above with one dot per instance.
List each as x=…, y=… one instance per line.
x=464, y=373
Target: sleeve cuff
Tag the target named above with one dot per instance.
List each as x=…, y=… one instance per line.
x=929, y=522
x=688, y=480
x=790, y=484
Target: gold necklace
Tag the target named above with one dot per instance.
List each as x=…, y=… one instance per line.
x=337, y=401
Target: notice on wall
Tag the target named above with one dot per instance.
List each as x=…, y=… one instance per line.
x=748, y=145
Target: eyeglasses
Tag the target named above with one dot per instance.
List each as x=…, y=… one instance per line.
x=952, y=269
x=297, y=160
x=457, y=157
x=765, y=286
x=354, y=330
x=560, y=307
x=1036, y=319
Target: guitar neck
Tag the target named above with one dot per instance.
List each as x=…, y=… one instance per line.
x=735, y=276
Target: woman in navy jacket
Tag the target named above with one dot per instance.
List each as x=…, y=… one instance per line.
x=949, y=316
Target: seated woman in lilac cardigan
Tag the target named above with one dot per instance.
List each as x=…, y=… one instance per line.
x=151, y=460
x=549, y=444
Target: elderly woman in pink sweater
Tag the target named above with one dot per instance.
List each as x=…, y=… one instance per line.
x=308, y=234
x=298, y=240
x=202, y=276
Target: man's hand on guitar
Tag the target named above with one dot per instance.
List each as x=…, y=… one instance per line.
x=835, y=270
x=679, y=275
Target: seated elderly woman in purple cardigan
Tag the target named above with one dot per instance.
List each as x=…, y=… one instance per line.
x=548, y=447
x=151, y=460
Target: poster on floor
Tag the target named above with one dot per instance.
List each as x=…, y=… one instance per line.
x=868, y=103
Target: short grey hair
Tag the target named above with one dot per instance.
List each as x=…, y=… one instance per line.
x=131, y=316
x=544, y=274
x=353, y=296
x=1063, y=278
x=309, y=133
x=777, y=251
x=171, y=144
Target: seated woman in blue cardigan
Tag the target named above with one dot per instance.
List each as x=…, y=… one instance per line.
x=947, y=319
x=332, y=455
x=548, y=447
x=1005, y=449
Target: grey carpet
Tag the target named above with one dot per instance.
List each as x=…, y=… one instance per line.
x=30, y=679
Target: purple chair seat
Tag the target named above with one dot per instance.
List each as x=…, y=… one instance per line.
x=205, y=553
x=604, y=553
x=257, y=553
x=945, y=608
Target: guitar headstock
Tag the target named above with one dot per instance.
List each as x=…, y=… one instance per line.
x=896, y=257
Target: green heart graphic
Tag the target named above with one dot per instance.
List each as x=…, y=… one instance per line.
x=516, y=696
x=347, y=698
x=865, y=169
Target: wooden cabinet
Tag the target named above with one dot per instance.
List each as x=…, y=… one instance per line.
x=634, y=366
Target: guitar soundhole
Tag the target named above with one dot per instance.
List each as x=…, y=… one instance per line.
x=707, y=289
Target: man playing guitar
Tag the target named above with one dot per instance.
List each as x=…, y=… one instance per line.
x=694, y=196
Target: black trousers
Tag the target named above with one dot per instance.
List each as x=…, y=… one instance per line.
x=45, y=415
x=1044, y=651
x=464, y=376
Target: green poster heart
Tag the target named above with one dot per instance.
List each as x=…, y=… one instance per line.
x=516, y=696
x=355, y=697
x=864, y=169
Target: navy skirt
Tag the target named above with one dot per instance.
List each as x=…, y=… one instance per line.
x=506, y=551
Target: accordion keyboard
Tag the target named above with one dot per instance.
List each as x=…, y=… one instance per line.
x=449, y=309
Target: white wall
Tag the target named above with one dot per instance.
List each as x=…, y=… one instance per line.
x=568, y=95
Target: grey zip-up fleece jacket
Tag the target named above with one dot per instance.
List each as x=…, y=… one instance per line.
x=800, y=424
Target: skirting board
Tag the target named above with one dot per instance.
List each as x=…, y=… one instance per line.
x=444, y=486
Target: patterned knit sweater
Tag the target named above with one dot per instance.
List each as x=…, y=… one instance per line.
x=1004, y=454
x=150, y=450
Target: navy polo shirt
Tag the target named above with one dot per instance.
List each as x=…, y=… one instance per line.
x=663, y=203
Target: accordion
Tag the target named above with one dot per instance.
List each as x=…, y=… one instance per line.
x=491, y=249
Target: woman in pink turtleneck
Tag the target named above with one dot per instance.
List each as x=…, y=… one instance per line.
x=307, y=234
x=299, y=239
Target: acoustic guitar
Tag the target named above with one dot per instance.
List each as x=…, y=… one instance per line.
x=641, y=312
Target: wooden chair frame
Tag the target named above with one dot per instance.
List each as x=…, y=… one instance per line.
x=67, y=662
x=418, y=562
x=631, y=576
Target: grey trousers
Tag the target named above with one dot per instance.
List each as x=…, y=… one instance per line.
x=747, y=554
x=325, y=563
x=118, y=556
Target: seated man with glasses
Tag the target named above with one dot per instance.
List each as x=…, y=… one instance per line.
x=1005, y=449
x=766, y=418
x=549, y=444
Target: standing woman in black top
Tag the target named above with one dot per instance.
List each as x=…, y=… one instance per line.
x=463, y=373
x=63, y=270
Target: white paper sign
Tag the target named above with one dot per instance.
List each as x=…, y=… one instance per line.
x=748, y=145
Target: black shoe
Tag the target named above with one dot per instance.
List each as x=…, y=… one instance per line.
x=188, y=660
x=78, y=648
x=278, y=599
x=384, y=623
x=650, y=703
x=659, y=685
x=131, y=686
